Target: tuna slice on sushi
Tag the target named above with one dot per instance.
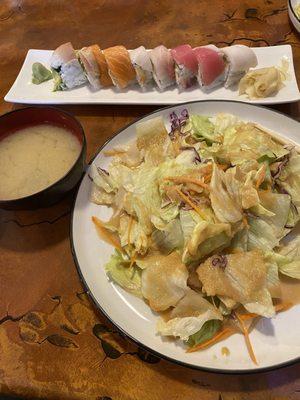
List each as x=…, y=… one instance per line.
x=211, y=67
x=140, y=59
x=163, y=67
x=239, y=59
x=186, y=66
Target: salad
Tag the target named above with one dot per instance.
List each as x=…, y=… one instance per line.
x=297, y=10
x=203, y=223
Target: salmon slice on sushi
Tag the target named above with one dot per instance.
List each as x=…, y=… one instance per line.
x=105, y=79
x=69, y=72
x=239, y=59
x=141, y=63
x=163, y=67
x=211, y=67
x=119, y=65
x=186, y=66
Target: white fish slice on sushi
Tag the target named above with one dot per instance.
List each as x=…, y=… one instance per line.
x=163, y=67
x=141, y=62
x=66, y=64
x=239, y=59
x=90, y=66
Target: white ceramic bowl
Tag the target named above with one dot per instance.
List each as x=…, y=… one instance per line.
x=275, y=343
x=292, y=14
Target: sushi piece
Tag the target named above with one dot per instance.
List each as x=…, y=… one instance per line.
x=211, y=67
x=69, y=72
x=105, y=79
x=163, y=67
x=141, y=63
x=186, y=66
x=208, y=46
x=90, y=65
x=63, y=54
x=239, y=59
x=95, y=67
x=119, y=65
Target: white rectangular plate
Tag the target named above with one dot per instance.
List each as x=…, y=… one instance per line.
x=23, y=91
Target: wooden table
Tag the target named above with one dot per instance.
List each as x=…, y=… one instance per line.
x=53, y=343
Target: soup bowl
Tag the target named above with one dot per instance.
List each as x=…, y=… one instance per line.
x=31, y=116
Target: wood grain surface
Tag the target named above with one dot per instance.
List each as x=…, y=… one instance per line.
x=53, y=343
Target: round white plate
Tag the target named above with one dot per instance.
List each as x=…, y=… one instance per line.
x=276, y=342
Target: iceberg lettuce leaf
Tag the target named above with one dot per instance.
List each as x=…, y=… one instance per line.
x=239, y=241
x=261, y=235
x=262, y=304
x=170, y=238
x=273, y=281
x=288, y=259
x=99, y=196
x=152, y=140
x=245, y=283
x=189, y=316
x=164, y=280
x=289, y=178
x=274, y=210
x=126, y=276
x=224, y=197
x=224, y=121
x=248, y=141
x=203, y=231
x=202, y=237
x=291, y=269
x=203, y=129
x=216, y=243
x=208, y=331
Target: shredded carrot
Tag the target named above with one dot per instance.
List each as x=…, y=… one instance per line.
x=183, y=179
x=245, y=222
x=245, y=317
x=207, y=169
x=247, y=338
x=220, y=335
x=189, y=202
x=226, y=332
x=106, y=234
x=283, y=306
x=262, y=177
x=207, y=178
x=129, y=229
x=113, y=152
